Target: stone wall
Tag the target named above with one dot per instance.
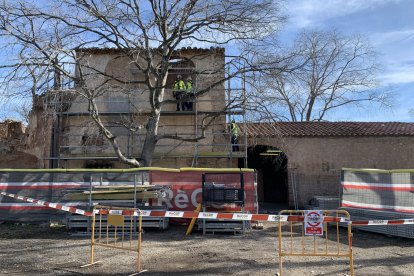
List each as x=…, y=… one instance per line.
x=13, y=146
x=3, y=130
x=317, y=161
x=12, y=136
x=11, y=130
x=80, y=137
x=39, y=131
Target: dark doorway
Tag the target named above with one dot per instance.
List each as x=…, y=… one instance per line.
x=272, y=174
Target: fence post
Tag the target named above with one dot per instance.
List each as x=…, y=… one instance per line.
x=139, y=241
x=92, y=236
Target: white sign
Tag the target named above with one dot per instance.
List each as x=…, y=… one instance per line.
x=313, y=222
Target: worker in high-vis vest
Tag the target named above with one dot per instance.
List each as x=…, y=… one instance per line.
x=189, y=94
x=179, y=92
x=234, y=130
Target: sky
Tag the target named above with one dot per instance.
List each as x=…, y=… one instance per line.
x=387, y=24
x=389, y=27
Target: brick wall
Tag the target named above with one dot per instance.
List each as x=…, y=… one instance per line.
x=13, y=146
x=3, y=130
x=317, y=162
x=11, y=130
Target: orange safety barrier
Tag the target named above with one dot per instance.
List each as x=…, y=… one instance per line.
x=110, y=228
x=310, y=234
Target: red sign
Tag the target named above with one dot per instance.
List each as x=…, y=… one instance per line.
x=186, y=189
x=313, y=222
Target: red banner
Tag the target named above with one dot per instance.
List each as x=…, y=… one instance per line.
x=186, y=189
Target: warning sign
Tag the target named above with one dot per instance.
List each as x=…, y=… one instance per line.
x=313, y=222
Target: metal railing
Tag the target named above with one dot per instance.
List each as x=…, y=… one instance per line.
x=302, y=237
x=116, y=231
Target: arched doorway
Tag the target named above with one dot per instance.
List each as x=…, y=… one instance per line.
x=272, y=174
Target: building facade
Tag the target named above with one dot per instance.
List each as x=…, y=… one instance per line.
x=122, y=101
x=312, y=155
x=294, y=161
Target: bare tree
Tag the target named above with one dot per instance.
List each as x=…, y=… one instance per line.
x=149, y=33
x=328, y=71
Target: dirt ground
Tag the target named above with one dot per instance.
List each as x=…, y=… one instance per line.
x=40, y=250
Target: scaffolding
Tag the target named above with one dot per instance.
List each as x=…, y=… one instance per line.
x=76, y=138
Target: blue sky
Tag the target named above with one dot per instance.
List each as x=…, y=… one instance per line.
x=388, y=25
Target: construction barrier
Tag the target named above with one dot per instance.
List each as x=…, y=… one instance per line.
x=182, y=188
x=300, y=224
x=306, y=226
x=52, y=205
x=208, y=215
x=114, y=230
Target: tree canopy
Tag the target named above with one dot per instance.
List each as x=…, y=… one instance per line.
x=325, y=71
x=45, y=36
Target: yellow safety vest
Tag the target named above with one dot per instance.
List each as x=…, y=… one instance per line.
x=189, y=87
x=179, y=85
x=234, y=130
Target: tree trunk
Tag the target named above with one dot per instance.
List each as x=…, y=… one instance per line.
x=150, y=138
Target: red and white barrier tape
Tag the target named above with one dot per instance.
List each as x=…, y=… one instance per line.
x=200, y=215
x=382, y=222
x=52, y=205
x=205, y=215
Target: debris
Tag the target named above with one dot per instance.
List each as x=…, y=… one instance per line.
x=143, y=192
x=258, y=225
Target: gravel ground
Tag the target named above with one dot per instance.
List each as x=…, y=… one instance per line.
x=37, y=250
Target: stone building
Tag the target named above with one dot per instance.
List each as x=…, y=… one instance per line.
x=76, y=142
x=294, y=161
x=309, y=156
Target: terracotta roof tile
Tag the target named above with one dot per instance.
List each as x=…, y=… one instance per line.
x=309, y=129
x=97, y=50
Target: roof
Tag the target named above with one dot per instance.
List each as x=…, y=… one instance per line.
x=97, y=50
x=319, y=129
